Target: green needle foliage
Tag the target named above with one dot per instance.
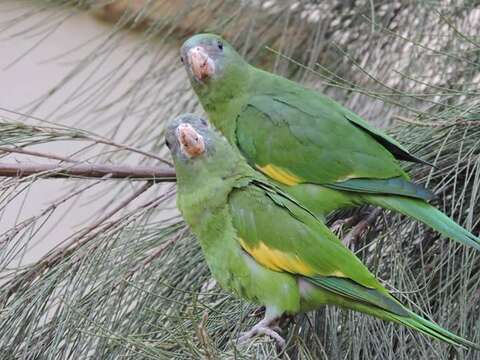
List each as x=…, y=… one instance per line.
x=131, y=283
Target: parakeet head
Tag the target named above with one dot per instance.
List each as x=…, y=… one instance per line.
x=212, y=63
x=198, y=150
x=188, y=136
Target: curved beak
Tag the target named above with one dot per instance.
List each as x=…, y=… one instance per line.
x=191, y=142
x=201, y=65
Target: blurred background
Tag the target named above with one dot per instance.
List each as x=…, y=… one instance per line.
x=106, y=269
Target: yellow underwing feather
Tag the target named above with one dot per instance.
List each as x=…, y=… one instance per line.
x=281, y=175
x=277, y=260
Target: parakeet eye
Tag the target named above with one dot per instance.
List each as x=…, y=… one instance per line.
x=167, y=143
x=181, y=59
x=220, y=45
x=204, y=122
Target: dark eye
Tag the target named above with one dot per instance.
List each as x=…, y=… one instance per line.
x=167, y=143
x=220, y=45
x=181, y=59
x=204, y=122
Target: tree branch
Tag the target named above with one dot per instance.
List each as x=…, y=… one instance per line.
x=153, y=173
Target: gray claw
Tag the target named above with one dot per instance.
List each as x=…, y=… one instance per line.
x=260, y=329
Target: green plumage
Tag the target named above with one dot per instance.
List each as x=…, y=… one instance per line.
x=332, y=158
x=264, y=246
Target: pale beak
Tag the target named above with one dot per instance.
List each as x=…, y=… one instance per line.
x=201, y=64
x=191, y=142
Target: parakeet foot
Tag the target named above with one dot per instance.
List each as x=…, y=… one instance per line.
x=258, y=312
x=266, y=327
x=337, y=226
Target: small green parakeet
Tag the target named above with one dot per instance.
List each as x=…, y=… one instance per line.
x=264, y=246
x=321, y=153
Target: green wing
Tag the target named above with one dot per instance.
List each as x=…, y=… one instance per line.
x=283, y=236
x=392, y=186
x=313, y=139
x=388, y=142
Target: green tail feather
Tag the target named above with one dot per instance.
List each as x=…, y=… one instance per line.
x=433, y=330
x=427, y=214
x=411, y=320
x=405, y=317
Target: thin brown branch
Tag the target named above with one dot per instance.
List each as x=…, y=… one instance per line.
x=81, y=134
x=55, y=256
x=121, y=206
x=149, y=258
x=5, y=237
x=19, y=150
x=160, y=249
x=130, y=148
x=156, y=174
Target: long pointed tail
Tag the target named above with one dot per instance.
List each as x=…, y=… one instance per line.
x=404, y=317
x=427, y=214
x=431, y=329
x=411, y=320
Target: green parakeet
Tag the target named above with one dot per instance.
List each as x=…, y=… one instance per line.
x=318, y=151
x=264, y=246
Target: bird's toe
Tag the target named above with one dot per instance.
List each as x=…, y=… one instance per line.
x=272, y=332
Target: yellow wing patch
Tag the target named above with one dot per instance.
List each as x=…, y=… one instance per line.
x=277, y=260
x=281, y=175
